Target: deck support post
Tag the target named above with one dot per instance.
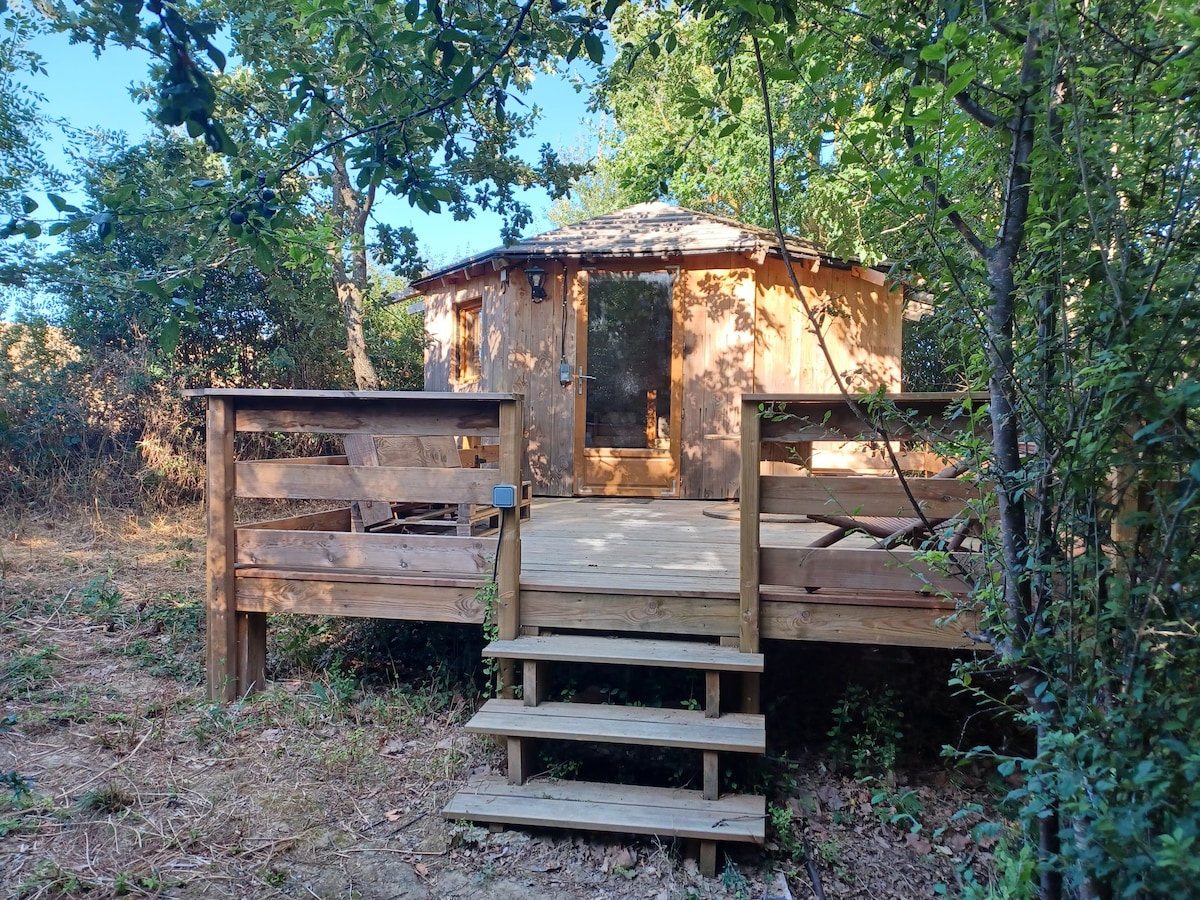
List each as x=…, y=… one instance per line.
x=221, y=619
x=534, y=676
x=712, y=695
x=708, y=859
x=251, y=652
x=520, y=759
x=508, y=600
x=750, y=562
x=712, y=775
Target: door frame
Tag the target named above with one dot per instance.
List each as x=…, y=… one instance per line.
x=624, y=471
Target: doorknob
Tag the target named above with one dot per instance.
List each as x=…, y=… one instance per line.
x=581, y=377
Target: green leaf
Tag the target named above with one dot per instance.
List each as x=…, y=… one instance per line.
x=152, y=287
x=56, y=228
x=933, y=52
x=594, y=47
x=168, y=336
x=28, y=204
x=263, y=258
x=32, y=230
x=57, y=202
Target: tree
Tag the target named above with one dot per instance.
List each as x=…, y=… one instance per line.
x=410, y=100
x=23, y=166
x=1043, y=156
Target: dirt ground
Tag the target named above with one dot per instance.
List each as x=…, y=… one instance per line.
x=118, y=778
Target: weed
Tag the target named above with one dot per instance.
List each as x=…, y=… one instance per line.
x=829, y=851
x=563, y=769
x=486, y=596
x=902, y=809
x=107, y=799
x=734, y=881
x=21, y=786
x=100, y=602
x=784, y=828
x=216, y=723
x=73, y=705
x=276, y=878
x=177, y=651
x=16, y=825
x=51, y=880
x=338, y=688
x=1012, y=875
x=127, y=883
x=866, y=731
x=25, y=672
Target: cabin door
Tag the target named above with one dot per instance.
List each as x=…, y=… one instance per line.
x=628, y=386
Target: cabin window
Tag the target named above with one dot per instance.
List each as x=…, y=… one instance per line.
x=469, y=340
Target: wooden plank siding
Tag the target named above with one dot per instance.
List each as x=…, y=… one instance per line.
x=739, y=329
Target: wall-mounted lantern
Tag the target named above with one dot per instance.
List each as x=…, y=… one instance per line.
x=537, y=283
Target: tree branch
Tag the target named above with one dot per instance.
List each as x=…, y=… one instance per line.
x=428, y=110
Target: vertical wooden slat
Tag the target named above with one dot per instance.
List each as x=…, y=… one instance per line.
x=251, y=652
x=520, y=759
x=712, y=775
x=534, y=676
x=508, y=577
x=749, y=562
x=361, y=451
x=712, y=695
x=221, y=612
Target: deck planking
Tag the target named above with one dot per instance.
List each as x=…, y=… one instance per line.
x=664, y=547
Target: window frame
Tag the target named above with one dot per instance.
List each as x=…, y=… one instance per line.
x=468, y=329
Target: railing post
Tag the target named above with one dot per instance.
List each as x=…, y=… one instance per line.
x=222, y=630
x=748, y=516
x=508, y=600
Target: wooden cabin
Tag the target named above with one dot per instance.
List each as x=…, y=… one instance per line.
x=649, y=325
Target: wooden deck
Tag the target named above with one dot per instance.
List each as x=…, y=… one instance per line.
x=600, y=581
x=672, y=567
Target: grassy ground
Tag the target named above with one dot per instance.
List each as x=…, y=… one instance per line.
x=118, y=778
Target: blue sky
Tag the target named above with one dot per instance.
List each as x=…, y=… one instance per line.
x=87, y=91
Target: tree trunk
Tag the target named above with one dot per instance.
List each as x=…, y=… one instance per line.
x=348, y=257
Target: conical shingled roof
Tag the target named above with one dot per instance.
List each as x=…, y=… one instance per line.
x=644, y=230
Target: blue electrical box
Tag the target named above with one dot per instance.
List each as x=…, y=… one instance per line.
x=504, y=496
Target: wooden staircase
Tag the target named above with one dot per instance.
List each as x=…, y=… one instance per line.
x=705, y=816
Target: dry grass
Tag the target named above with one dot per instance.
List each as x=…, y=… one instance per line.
x=120, y=779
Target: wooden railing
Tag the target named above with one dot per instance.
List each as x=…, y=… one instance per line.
x=776, y=581
x=317, y=563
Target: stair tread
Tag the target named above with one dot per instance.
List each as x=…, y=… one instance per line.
x=647, y=726
x=610, y=807
x=627, y=651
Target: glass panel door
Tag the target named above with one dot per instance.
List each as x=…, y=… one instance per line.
x=628, y=387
